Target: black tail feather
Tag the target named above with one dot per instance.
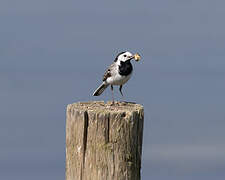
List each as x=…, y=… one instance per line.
x=100, y=89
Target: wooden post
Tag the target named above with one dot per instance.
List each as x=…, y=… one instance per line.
x=104, y=142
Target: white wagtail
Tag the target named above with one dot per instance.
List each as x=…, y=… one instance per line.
x=118, y=73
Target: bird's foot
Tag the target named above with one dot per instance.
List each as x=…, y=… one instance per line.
x=113, y=103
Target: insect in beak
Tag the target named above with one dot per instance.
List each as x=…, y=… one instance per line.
x=137, y=57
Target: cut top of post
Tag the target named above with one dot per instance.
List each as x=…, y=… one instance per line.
x=100, y=106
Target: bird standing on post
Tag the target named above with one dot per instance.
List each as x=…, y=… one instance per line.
x=118, y=73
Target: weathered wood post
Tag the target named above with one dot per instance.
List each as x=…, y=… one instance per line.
x=104, y=142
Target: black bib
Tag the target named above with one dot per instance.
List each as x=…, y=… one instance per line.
x=125, y=68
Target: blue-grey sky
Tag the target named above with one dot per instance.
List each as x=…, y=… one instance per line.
x=54, y=52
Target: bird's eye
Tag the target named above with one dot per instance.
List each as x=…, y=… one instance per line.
x=124, y=55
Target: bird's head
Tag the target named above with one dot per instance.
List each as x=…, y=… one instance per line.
x=126, y=56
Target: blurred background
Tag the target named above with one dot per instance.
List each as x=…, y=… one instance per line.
x=54, y=53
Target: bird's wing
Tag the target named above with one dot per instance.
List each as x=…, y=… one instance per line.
x=109, y=72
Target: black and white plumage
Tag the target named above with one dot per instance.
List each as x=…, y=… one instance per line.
x=118, y=73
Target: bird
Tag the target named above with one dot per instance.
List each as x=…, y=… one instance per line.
x=118, y=73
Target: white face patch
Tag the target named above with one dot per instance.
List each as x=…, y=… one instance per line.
x=124, y=56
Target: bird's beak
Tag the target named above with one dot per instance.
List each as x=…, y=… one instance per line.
x=131, y=57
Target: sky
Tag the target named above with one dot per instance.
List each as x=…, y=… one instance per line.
x=54, y=53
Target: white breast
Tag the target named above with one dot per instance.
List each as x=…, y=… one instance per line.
x=117, y=79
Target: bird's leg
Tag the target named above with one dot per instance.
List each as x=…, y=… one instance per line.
x=121, y=92
x=112, y=94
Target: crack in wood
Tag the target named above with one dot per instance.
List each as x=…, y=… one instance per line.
x=84, y=142
x=107, y=128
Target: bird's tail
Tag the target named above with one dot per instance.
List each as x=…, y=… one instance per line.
x=100, y=89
